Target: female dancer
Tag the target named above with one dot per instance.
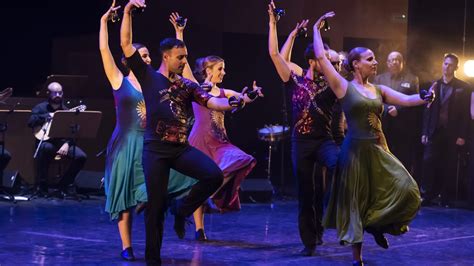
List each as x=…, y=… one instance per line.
x=124, y=178
x=371, y=190
x=209, y=135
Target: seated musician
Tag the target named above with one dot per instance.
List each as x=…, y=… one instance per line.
x=54, y=148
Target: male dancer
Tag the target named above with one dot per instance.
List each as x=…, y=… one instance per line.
x=168, y=99
x=312, y=140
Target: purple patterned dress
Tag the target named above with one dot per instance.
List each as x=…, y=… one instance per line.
x=209, y=136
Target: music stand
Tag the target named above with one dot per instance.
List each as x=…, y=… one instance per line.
x=75, y=125
x=5, y=115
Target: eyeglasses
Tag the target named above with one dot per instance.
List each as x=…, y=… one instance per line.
x=335, y=63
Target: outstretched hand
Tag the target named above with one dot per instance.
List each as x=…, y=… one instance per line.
x=273, y=18
x=111, y=14
x=322, y=20
x=252, y=95
x=258, y=89
x=300, y=26
x=429, y=95
x=132, y=4
x=178, y=27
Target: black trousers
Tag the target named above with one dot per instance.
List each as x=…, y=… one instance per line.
x=46, y=154
x=158, y=158
x=305, y=153
x=440, y=159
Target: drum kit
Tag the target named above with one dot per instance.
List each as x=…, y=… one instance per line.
x=272, y=134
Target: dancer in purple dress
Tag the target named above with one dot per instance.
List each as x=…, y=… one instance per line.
x=209, y=136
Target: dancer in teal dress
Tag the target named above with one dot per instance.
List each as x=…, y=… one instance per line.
x=371, y=191
x=124, y=178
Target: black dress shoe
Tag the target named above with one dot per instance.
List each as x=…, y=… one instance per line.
x=308, y=251
x=180, y=223
x=379, y=238
x=127, y=254
x=200, y=235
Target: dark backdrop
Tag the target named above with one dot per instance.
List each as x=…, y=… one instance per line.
x=51, y=37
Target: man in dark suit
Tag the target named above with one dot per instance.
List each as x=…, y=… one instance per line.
x=402, y=125
x=445, y=128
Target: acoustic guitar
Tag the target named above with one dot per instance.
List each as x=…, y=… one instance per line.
x=42, y=132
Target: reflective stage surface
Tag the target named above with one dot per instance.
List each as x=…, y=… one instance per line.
x=63, y=232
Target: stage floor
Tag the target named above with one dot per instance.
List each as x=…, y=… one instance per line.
x=64, y=232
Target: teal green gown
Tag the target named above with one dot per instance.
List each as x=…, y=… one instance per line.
x=371, y=187
x=124, y=180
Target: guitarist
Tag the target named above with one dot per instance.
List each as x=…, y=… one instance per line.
x=55, y=148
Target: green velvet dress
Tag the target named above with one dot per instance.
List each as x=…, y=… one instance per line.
x=371, y=187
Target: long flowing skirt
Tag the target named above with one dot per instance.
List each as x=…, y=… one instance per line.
x=371, y=188
x=124, y=179
x=234, y=163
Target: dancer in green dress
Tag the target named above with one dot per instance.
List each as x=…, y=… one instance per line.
x=124, y=178
x=371, y=191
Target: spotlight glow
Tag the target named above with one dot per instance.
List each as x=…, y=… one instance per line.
x=469, y=68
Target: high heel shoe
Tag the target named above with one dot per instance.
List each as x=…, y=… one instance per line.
x=358, y=263
x=127, y=254
x=210, y=207
x=379, y=238
x=200, y=235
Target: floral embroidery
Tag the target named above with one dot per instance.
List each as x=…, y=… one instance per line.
x=217, y=126
x=304, y=98
x=376, y=125
x=141, y=111
x=374, y=121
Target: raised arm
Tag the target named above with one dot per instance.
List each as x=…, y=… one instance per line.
x=337, y=83
x=278, y=61
x=179, y=29
x=287, y=48
x=126, y=27
x=114, y=75
x=396, y=98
